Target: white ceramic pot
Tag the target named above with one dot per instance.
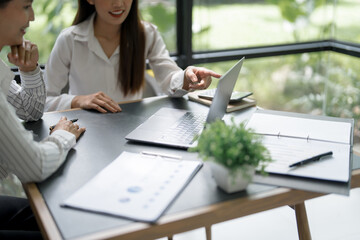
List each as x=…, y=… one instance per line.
x=228, y=182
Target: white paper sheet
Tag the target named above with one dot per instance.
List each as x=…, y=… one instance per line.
x=135, y=186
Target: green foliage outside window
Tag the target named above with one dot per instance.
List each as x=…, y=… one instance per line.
x=320, y=83
x=163, y=15
x=297, y=12
x=50, y=18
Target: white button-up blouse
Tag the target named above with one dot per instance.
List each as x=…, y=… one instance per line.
x=78, y=59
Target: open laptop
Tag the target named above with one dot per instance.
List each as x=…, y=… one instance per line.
x=179, y=128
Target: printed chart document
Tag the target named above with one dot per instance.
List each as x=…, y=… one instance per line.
x=135, y=186
x=291, y=138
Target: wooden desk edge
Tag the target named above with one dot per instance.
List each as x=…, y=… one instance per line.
x=174, y=223
x=208, y=215
x=42, y=214
x=355, y=178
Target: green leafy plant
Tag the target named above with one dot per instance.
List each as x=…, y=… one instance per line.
x=233, y=146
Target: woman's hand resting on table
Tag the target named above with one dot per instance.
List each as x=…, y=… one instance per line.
x=69, y=126
x=98, y=101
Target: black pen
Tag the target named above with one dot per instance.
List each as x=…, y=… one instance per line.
x=312, y=159
x=53, y=126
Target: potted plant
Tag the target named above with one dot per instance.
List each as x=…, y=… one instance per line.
x=233, y=152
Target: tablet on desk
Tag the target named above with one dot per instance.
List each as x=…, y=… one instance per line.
x=235, y=96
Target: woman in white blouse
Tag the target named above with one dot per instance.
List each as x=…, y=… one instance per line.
x=19, y=154
x=102, y=58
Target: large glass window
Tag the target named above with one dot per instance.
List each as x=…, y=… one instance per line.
x=163, y=15
x=322, y=83
x=239, y=24
x=347, y=19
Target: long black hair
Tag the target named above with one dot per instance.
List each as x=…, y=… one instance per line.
x=132, y=46
x=3, y=3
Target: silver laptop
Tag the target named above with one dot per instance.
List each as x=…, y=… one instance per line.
x=180, y=128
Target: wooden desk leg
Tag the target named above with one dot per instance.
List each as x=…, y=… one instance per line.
x=170, y=237
x=208, y=232
x=302, y=222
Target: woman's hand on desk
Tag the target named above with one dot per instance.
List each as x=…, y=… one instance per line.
x=69, y=126
x=197, y=78
x=98, y=101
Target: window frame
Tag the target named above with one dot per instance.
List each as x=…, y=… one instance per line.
x=185, y=55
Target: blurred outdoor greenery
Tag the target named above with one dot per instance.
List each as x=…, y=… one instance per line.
x=322, y=83
x=258, y=23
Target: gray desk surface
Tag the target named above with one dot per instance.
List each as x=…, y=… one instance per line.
x=102, y=142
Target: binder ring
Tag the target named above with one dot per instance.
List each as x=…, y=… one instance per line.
x=307, y=139
x=278, y=135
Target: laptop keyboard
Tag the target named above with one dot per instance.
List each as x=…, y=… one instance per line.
x=186, y=128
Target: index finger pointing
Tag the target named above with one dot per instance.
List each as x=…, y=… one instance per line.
x=211, y=73
x=215, y=75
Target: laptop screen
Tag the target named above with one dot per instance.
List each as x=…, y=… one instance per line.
x=223, y=92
